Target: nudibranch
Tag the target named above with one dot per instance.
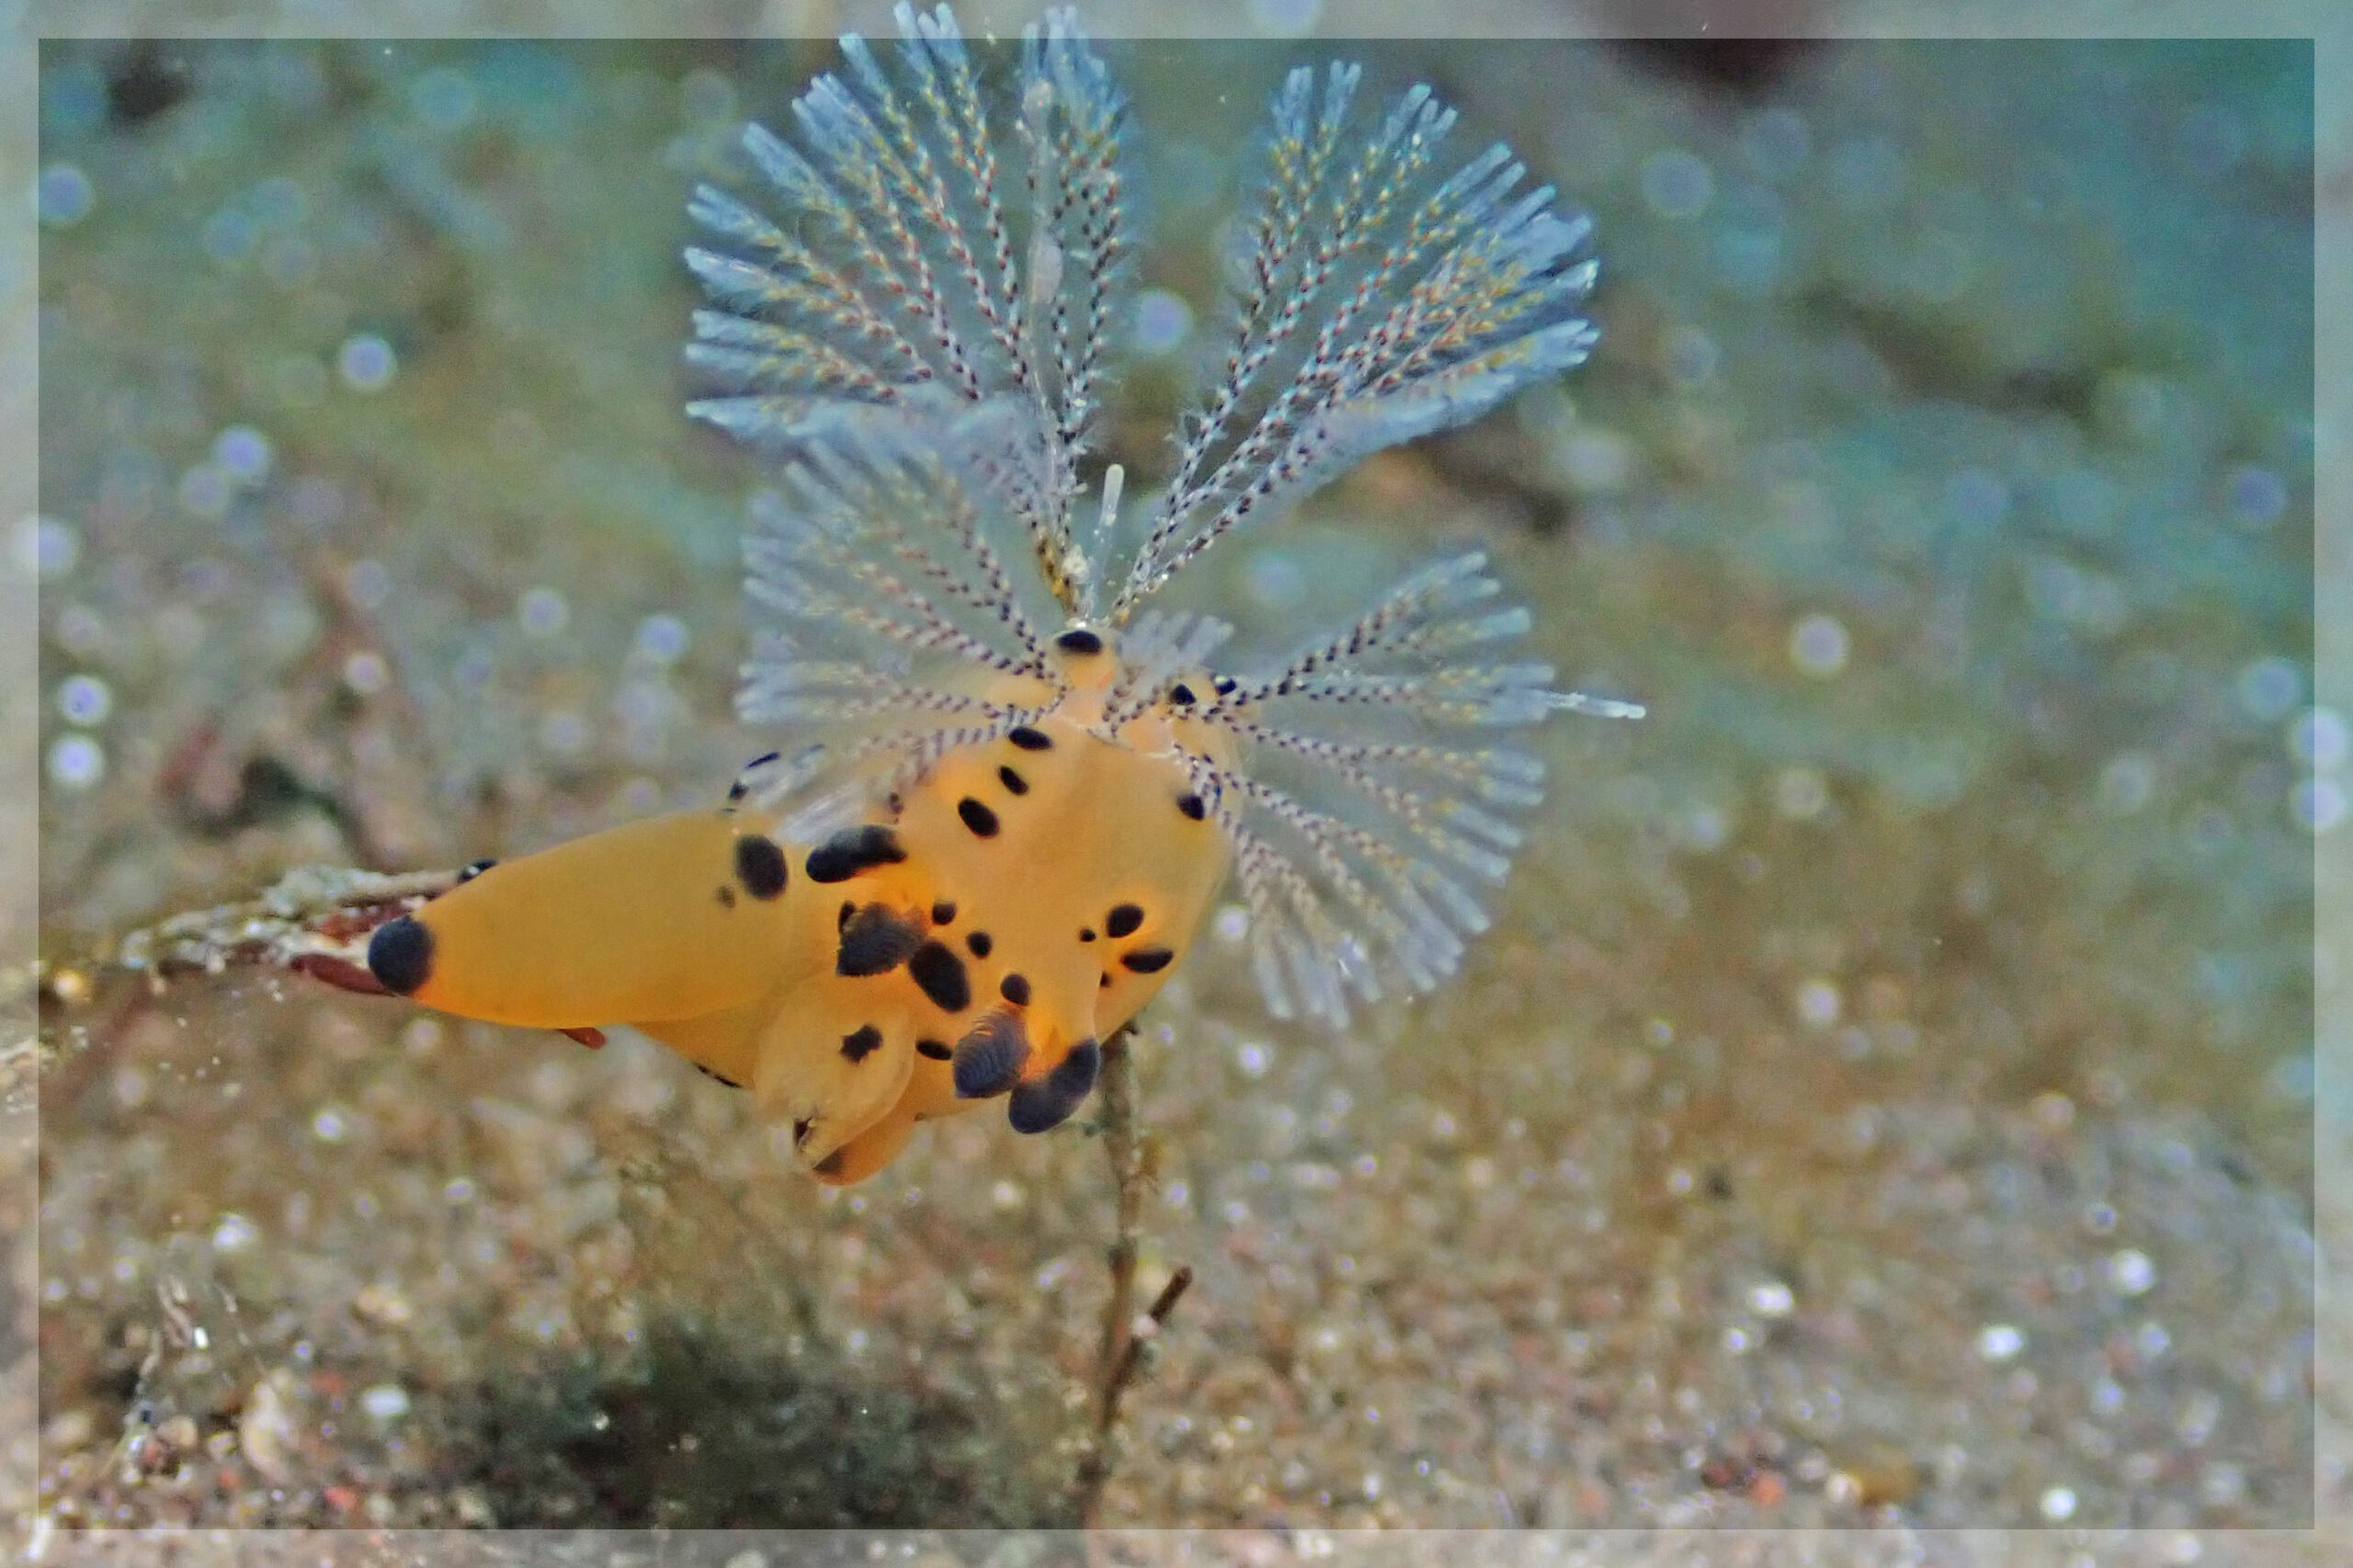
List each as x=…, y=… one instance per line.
x=1008, y=790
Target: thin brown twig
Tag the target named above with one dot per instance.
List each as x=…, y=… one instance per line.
x=1157, y=1314
x=1120, y=1356
x=1126, y=1151
x=314, y=920
x=311, y=913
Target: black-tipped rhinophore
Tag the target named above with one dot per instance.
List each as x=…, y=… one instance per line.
x=400, y=955
x=990, y=1057
x=1046, y=1103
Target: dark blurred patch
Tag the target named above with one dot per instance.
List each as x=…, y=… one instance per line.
x=266, y=791
x=116, y=1380
x=1497, y=461
x=215, y=794
x=713, y=1434
x=1741, y=66
x=1740, y=48
x=1944, y=358
x=148, y=80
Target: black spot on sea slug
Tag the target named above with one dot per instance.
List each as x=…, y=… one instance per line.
x=1148, y=960
x=978, y=817
x=400, y=955
x=1013, y=783
x=876, y=940
x=759, y=866
x=1079, y=641
x=1124, y=920
x=982, y=944
x=1046, y=1103
x=1015, y=989
x=1029, y=739
x=1191, y=806
x=943, y=914
x=939, y=974
x=990, y=1057
x=726, y=897
x=852, y=850
x=1086, y=933
x=862, y=1043
x=1182, y=695
x=934, y=1049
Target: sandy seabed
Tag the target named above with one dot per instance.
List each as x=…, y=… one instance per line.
x=1886, y=1096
